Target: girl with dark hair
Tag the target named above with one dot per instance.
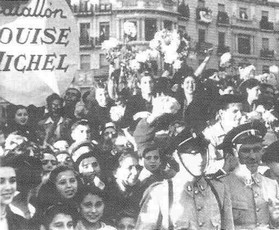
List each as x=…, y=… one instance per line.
x=8, y=187
x=92, y=204
x=59, y=216
x=19, y=122
x=28, y=173
x=62, y=186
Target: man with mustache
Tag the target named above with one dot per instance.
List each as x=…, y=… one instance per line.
x=254, y=196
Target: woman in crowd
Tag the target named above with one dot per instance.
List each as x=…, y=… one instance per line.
x=194, y=103
x=28, y=173
x=251, y=90
x=125, y=191
x=19, y=122
x=92, y=205
x=59, y=216
x=8, y=220
x=62, y=186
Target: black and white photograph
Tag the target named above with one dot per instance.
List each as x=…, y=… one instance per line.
x=139, y=114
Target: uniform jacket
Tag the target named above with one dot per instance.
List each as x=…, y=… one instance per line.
x=250, y=202
x=194, y=207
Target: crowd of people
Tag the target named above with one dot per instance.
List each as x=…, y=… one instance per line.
x=187, y=150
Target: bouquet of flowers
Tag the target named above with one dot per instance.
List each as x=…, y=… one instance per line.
x=172, y=46
x=112, y=48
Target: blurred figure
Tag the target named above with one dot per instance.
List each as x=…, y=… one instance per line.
x=71, y=98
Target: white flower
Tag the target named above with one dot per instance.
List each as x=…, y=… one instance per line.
x=225, y=59
x=170, y=55
x=116, y=113
x=130, y=29
x=247, y=72
x=177, y=64
x=134, y=64
x=110, y=44
x=154, y=44
x=274, y=69
x=153, y=54
x=142, y=56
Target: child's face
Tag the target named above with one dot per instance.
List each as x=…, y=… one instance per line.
x=81, y=133
x=152, y=160
x=62, y=221
x=92, y=208
x=126, y=223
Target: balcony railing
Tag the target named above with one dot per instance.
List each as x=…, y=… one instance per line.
x=204, y=15
x=147, y=4
x=266, y=25
x=202, y=47
x=244, y=23
x=85, y=8
x=265, y=53
x=89, y=43
x=223, y=18
x=222, y=49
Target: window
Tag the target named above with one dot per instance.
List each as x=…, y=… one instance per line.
x=168, y=25
x=221, y=39
x=243, y=13
x=103, y=61
x=85, y=62
x=244, y=46
x=201, y=35
x=221, y=7
x=265, y=15
x=265, y=69
x=201, y=3
x=265, y=43
x=84, y=33
x=104, y=31
x=150, y=28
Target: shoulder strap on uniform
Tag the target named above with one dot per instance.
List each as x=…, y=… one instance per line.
x=216, y=196
x=170, y=203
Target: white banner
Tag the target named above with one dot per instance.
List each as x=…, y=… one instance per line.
x=38, y=50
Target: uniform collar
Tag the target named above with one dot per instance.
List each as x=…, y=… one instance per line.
x=193, y=188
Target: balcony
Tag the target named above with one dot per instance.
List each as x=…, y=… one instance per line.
x=266, y=25
x=202, y=47
x=167, y=5
x=244, y=23
x=86, y=9
x=223, y=18
x=89, y=43
x=265, y=53
x=204, y=15
x=222, y=49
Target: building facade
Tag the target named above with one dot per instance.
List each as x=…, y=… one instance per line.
x=249, y=29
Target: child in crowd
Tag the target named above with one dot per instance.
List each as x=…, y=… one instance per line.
x=92, y=203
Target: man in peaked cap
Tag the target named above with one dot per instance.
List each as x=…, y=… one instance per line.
x=253, y=195
x=188, y=200
x=271, y=159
